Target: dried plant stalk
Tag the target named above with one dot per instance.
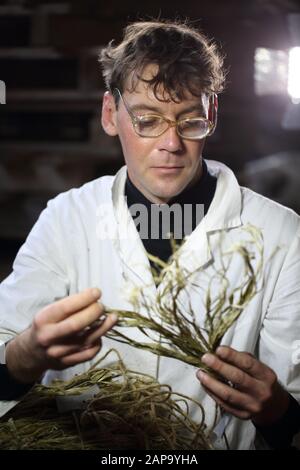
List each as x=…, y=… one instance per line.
x=131, y=411
x=180, y=335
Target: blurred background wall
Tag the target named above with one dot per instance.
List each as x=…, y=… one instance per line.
x=50, y=133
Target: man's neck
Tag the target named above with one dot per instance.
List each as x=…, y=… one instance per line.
x=186, y=194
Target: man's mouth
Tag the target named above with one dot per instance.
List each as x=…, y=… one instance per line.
x=167, y=170
x=168, y=167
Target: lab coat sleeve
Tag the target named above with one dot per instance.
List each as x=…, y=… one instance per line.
x=279, y=344
x=39, y=277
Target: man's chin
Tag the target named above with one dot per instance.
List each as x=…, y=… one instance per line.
x=166, y=196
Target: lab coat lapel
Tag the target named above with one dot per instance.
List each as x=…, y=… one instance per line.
x=224, y=214
x=136, y=268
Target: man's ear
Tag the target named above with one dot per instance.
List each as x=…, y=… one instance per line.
x=213, y=111
x=109, y=114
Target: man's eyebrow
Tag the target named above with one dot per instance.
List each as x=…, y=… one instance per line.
x=196, y=107
x=145, y=107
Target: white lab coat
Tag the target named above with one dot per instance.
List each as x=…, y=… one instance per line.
x=79, y=242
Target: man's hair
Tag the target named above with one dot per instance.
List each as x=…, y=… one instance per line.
x=186, y=60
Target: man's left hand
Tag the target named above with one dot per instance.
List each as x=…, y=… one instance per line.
x=251, y=390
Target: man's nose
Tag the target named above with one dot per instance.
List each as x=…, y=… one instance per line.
x=170, y=140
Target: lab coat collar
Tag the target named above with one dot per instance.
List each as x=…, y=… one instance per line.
x=226, y=206
x=224, y=214
x=135, y=267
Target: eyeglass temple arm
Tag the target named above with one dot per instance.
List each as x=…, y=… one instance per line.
x=213, y=111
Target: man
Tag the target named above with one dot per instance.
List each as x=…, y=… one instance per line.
x=162, y=82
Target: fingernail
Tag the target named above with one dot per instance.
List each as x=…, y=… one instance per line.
x=200, y=375
x=221, y=351
x=96, y=292
x=113, y=317
x=208, y=359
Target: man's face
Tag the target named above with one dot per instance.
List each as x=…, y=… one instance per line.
x=160, y=167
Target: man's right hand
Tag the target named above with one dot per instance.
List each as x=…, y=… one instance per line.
x=62, y=334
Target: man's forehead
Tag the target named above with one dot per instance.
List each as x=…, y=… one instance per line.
x=143, y=93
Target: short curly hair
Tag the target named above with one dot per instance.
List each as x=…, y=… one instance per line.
x=186, y=60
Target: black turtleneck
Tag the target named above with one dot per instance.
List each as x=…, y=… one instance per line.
x=198, y=196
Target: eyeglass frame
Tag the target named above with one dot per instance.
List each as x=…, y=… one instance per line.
x=135, y=119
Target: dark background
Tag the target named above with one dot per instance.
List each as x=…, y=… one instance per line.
x=50, y=133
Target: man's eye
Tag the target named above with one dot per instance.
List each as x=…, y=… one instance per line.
x=146, y=121
x=190, y=124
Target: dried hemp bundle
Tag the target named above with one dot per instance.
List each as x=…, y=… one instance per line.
x=129, y=411
x=173, y=330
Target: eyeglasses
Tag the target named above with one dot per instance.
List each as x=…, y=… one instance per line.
x=154, y=125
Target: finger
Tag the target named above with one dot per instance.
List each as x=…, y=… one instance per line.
x=232, y=397
x=61, y=350
x=242, y=414
x=71, y=345
x=238, y=377
x=77, y=339
x=81, y=356
x=85, y=340
x=243, y=360
x=78, y=322
x=72, y=328
x=63, y=308
x=106, y=325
